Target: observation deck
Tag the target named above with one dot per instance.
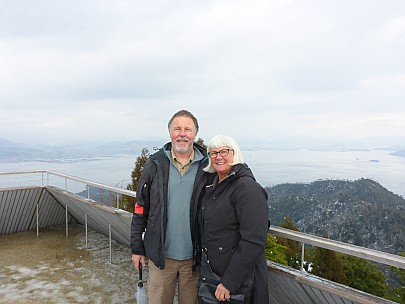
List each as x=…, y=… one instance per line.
x=45, y=200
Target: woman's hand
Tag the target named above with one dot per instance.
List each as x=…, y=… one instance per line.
x=222, y=293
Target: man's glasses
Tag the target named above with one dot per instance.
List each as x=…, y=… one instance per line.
x=223, y=153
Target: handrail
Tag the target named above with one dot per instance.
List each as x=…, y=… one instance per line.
x=94, y=184
x=77, y=179
x=361, y=252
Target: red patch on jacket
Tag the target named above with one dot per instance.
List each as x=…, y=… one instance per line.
x=138, y=209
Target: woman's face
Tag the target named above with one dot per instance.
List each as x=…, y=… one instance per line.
x=221, y=159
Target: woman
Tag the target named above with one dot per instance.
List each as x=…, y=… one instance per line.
x=233, y=225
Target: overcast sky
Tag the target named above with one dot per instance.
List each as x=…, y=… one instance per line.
x=117, y=70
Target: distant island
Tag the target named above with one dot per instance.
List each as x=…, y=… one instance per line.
x=400, y=153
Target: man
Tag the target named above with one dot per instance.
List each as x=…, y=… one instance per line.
x=166, y=208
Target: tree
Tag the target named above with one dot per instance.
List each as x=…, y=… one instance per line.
x=127, y=201
x=363, y=275
x=274, y=251
x=328, y=266
x=200, y=141
x=398, y=294
x=139, y=165
x=293, y=251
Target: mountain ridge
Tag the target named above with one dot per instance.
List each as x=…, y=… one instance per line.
x=14, y=152
x=360, y=212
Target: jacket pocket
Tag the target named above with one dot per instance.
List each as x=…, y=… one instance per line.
x=220, y=257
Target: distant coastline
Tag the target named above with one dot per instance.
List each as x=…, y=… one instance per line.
x=17, y=152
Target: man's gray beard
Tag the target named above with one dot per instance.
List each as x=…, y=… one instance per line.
x=182, y=150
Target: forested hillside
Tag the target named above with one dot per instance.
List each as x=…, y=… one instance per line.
x=360, y=212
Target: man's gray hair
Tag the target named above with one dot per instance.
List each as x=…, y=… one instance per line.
x=186, y=114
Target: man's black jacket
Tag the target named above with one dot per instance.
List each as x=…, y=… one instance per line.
x=150, y=215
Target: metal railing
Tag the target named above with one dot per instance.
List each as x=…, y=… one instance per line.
x=46, y=181
x=361, y=252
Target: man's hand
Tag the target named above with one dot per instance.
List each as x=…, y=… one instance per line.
x=222, y=293
x=136, y=259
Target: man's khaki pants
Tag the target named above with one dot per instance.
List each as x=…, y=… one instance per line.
x=162, y=283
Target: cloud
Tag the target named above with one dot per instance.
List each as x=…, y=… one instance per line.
x=119, y=70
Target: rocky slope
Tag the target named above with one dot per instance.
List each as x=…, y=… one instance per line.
x=360, y=212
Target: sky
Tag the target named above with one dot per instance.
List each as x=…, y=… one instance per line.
x=277, y=71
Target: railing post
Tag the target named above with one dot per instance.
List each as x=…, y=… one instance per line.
x=37, y=219
x=85, y=225
x=65, y=184
x=302, y=256
x=88, y=191
x=42, y=178
x=109, y=237
x=67, y=223
x=118, y=203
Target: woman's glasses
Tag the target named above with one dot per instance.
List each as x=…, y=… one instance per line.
x=223, y=153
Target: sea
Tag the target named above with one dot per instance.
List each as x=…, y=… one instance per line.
x=270, y=167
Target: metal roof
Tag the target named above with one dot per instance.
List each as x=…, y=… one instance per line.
x=18, y=209
x=99, y=216
x=291, y=286
x=18, y=212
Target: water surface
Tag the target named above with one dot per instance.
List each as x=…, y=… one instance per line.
x=271, y=167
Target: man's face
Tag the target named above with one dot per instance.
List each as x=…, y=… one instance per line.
x=182, y=134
